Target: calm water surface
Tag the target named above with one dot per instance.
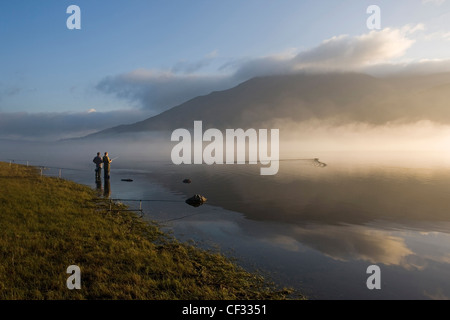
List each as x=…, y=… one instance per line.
x=312, y=228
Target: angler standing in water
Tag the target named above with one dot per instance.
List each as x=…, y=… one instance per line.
x=98, y=166
x=107, y=163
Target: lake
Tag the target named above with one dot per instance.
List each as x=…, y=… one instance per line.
x=313, y=228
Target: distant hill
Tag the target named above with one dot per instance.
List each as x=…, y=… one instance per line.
x=343, y=97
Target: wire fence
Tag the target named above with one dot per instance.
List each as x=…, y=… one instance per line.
x=49, y=171
x=131, y=207
x=141, y=210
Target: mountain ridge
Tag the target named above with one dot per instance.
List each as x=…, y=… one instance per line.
x=345, y=97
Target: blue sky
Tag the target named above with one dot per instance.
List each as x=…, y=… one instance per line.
x=146, y=56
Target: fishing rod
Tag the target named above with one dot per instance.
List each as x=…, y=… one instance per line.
x=295, y=159
x=316, y=161
x=148, y=200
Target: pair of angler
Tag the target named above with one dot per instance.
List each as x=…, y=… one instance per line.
x=100, y=162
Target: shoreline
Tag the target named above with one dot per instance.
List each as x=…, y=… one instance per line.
x=121, y=256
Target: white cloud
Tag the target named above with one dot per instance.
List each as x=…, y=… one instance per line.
x=423, y=66
x=354, y=53
x=434, y=2
x=212, y=54
x=376, y=52
x=439, y=35
x=410, y=29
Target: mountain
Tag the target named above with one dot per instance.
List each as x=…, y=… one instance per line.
x=343, y=97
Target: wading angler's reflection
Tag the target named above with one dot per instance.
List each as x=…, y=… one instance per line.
x=103, y=189
x=98, y=183
x=107, y=188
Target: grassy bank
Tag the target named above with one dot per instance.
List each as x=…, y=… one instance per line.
x=48, y=224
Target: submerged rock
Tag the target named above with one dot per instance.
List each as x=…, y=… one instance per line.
x=127, y=180
x=196, y=201
x=187, y=181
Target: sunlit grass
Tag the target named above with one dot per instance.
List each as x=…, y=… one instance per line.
x=48, y=224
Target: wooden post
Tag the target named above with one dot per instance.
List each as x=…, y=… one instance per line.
x=140, y=205
x=60, y=173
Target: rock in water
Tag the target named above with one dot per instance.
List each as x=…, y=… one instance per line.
x=127, y=180
x=187, y=181
x=196, y=201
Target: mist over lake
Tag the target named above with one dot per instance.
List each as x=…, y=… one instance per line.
x=314, y=228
